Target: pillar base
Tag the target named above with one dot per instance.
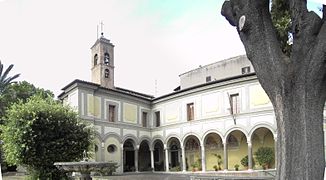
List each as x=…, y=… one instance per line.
x=250, y=170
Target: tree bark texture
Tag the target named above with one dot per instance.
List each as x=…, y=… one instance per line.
x=296, y=85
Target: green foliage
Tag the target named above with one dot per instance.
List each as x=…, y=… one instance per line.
x=219, y=161
x=236, y=167
x=196, y=164
x=265, y=156
x=282, y=22
x=245, y=161
x=42, y=131
x=20, y=91
x=4, y=80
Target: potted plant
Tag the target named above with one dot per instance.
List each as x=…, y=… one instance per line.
x=215, y=168
x=194, y=166
x=236, y=167
x=245, y=162
x=219, y=161
x=265, y=157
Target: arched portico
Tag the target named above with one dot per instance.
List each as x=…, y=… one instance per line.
x=213, y=146
x=144, y=156
x=173, y=154
x=158, y=155
x=192, y=153
x=130, y=153
x=262, y=137
x=236, y=148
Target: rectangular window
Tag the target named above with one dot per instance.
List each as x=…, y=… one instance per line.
x=208, y=78
x=157, y=119
x=234, y=103
x=144, y=119
x=245, y=70
x=190, y=111
x=111, y=115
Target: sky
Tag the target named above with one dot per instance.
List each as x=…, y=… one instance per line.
x=49, y=41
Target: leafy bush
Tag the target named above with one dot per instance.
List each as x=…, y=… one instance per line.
x=219, y=161
x=43, y=131
x=265, y=156
x=236, y=167
x=245, y=161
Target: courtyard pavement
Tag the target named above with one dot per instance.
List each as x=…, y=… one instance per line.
x=153, y=176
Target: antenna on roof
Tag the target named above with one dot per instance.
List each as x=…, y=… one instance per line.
x=155, y=87
x=102, y=27
x=96, y=31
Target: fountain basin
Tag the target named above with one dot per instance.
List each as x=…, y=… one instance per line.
x=84, y=167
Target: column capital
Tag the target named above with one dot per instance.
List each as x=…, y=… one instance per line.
x=137, y=147
x=275, y=137
x=166, y=147
x=249, y=143
x=121, y=145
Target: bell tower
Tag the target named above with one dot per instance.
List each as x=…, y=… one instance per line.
x=103, y=62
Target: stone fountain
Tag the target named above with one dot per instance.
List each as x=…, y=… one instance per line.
x=85, y=167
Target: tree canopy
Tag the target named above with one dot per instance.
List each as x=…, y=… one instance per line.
x=20, y=91
x=43, y=131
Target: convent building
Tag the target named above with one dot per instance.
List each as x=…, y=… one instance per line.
x=219, y=110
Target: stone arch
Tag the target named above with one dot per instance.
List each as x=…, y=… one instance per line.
x=115, y=135
x=111, y=149
x=191, y=134
x=156, y=138
x=133, y=138
x=147, y=139
x=262, y=136
x=214, y=150
x=236, y=146
x=130, y=153
x=158, y=148
x=173, y=152
x=144, y=155
x=239, y=128
x=267, y=126
x=170, y=137
x=192, y=146
x=209, y=132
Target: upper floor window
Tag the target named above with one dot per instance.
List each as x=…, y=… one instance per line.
x=106, y=73
x=234, y=103
x=144, y=119
x=106, y=58
x=245, y=70
x=208, y=78
x=157, y=119
x=190, y=111
x=95, y=59
x=111, y=115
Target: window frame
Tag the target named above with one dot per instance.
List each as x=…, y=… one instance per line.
x=157, y=115
x=190, y=111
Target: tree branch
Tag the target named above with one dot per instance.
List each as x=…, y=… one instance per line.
x=305, y=28
x=259, y=38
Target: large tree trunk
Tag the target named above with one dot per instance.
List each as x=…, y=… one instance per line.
x=296, y=85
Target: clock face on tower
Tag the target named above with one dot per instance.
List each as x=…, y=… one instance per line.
x=106, y=59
